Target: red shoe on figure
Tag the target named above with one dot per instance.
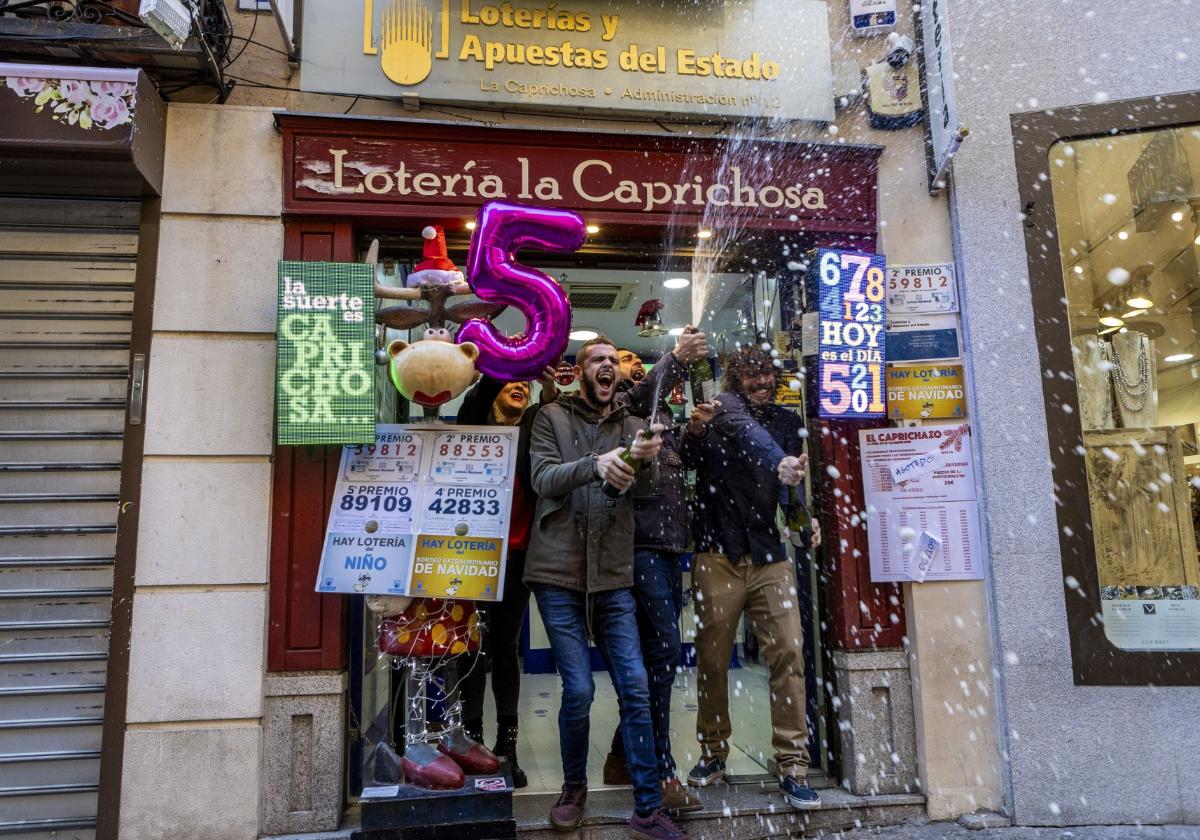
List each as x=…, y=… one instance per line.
x=472, y=756
x=427, y=768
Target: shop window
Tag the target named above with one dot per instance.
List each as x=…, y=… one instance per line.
x=1122, y=382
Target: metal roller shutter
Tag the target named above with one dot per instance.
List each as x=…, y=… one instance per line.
x=66, y=304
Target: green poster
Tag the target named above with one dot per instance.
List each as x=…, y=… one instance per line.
x=325, y=367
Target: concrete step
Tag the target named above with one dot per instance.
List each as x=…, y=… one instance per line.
x=731, y=812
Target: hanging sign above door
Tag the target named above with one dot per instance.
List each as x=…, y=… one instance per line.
x=704, y=60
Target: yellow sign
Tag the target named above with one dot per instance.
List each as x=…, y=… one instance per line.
x=925, y=392
x=621, y=54
x=456, y=567
x=788, y=391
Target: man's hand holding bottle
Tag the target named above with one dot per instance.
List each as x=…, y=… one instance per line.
x=691, y=346
x=791, y=470
x=701, y=414
x=618, y=468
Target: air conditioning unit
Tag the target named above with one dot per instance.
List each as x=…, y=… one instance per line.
x=172, y=19
x=611, y=297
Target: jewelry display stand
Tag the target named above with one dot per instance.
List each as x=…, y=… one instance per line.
x=1137, y=544
x=1093, y=372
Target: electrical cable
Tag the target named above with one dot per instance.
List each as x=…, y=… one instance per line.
x=253, y=27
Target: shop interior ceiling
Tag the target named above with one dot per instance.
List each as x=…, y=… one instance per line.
x=1097, y=219
x=608, y=280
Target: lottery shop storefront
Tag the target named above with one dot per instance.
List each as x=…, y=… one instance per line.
x=651, y=203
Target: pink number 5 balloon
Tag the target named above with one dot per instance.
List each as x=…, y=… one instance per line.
x=493, y=272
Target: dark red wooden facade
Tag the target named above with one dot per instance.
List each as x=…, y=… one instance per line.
x=307, y=630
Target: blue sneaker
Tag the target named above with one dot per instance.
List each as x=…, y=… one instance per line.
x=799, y=794
x=706, y=772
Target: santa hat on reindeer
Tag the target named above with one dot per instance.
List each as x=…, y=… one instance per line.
x=436, y=268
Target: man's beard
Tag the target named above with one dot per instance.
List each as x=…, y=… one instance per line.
x=589, y=392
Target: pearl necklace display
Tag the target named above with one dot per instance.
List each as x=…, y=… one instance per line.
x=1138, y=390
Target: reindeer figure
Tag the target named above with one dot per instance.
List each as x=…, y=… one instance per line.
x=433, y=370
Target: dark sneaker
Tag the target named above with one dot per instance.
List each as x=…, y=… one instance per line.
x=676, y=799
x=799, y=794
x=706, y=772
x=615, y=771
x=567, y=813
x=657, y=826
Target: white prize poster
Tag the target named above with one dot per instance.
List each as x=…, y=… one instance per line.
x=921, y=289
x=920, y=482
x=422, y=512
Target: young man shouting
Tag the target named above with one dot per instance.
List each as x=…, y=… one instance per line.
x=580, y=570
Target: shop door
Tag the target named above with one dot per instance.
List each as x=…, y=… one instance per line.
x=66, y=303
x=606, y=283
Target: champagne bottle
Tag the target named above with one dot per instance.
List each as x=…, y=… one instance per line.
x=611, y=490
x=798, y=517
x=700, y=372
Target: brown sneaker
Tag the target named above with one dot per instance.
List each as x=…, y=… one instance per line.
x=567, y=813
x=657, y=826
x=676, y=799
x=616, y=772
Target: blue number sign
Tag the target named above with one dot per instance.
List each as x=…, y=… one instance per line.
x=853, y=334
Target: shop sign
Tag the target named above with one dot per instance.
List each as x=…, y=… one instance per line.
x=422, y=511
x=431, y=171
x=852, y=346
x=325, y=368
x=941, y=107
x=926, y=392
x=923, y=515
x=921, y=289
x=725, y=60
x=922, y=338
x=869, y=17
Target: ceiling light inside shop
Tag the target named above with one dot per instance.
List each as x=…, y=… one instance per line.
x=1139, y=291
x=1111, y=321
x=1177, y=216
x=676, y=283
x=471, y=225
x=704, y=233
x=1079, y=269
x=1111, y=330
x=593, y=228
x=675, y=331
x=1179, y=357
x=1133, y=313
x=1123, y=234
x=583, y=334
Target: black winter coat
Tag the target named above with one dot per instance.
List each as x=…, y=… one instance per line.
x=737, y=486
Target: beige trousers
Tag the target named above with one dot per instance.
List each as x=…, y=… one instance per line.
x=767, y=592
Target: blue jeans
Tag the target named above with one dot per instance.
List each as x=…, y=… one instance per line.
x=614, y=626
x=658, y=590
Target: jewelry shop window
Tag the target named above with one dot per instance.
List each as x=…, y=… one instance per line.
x=1126, y=219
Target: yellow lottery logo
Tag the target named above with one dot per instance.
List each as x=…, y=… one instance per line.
x=405, y=42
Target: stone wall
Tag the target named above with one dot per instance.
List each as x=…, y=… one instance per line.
x=1076, y=754
x=194, y=734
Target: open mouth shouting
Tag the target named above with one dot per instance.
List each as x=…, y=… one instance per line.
x=606, y=378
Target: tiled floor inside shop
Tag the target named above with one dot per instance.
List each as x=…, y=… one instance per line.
x=538, y=748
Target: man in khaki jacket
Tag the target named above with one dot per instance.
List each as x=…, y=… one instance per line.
x=580, y=570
